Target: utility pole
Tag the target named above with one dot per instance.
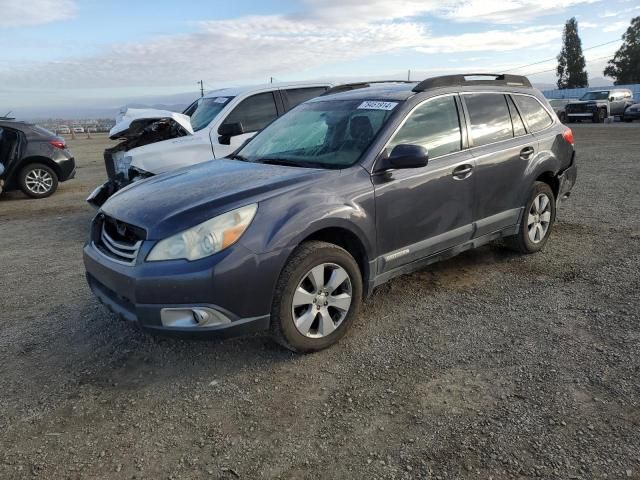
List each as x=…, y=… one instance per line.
x=201, y=83
x=408, y=75
x=271, y=79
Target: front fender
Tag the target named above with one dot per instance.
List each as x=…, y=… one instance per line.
x=346, y=202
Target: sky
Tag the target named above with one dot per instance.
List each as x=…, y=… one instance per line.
x=66, y=52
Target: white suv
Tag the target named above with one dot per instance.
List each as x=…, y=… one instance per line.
x=158, y=141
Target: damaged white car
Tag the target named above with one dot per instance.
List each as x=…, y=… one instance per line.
x=214, y=126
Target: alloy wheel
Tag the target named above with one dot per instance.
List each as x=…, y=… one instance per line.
x=321, y=300
x=38, y=181
x=539, y=218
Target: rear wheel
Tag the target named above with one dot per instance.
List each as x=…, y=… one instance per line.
x=38, y=180
x=318, y=296
x=539, y=215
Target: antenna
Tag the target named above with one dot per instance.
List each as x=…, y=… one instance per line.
x=201, y=83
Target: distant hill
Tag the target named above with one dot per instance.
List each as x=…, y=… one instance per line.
x=106, y=108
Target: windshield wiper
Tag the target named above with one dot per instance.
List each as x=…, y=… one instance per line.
x=237, y=156
x=285, y=162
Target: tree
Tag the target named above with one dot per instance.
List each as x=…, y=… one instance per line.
x=571, y=63
x=624, y=67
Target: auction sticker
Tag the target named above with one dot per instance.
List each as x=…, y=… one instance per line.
x=221, y=99
x=372, y=105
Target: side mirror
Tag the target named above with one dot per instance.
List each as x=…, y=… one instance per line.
x=406, y=156
x=611, y=99
x=228, y=130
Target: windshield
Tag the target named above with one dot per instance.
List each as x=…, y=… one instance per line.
x=329, y=134
x=203, y=110
x=595, y=96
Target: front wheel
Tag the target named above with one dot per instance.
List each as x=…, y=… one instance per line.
x=600, y=115
x=319, y=294
x=38, y=180
x=538, y=218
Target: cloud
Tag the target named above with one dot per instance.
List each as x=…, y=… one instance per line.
x=324, y=33
x=616, y=26
x=20, y=13
x=507, y=11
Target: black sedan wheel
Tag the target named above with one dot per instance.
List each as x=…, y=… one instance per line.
x=38, y=180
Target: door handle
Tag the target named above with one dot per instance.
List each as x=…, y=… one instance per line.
x=526, y=153
x=463, y=171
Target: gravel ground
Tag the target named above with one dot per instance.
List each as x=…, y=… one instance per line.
x=489, y=365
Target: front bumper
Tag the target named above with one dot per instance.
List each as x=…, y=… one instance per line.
x=228, y=283
x=102, y=193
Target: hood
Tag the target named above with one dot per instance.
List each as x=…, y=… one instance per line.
x=167, y=204
x=135, y=120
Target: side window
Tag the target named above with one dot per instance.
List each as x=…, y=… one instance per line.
x=434, y=125
x=489, y=117
x=516, y=120
x=254, y=112
x=537, y=117
x=296, y=96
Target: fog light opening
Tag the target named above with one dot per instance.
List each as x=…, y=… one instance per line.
x=194, y=317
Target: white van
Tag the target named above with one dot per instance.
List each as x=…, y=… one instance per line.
x=158, y=141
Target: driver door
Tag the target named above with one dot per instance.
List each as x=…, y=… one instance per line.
x=422, y=211
x=255, y=113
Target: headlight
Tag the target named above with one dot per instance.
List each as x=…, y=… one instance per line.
x=205, y=239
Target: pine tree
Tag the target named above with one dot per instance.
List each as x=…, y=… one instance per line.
x=571, y=63
x=624, y=67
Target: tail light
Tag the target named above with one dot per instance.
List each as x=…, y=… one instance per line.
x=568, y=136
x=58, y=144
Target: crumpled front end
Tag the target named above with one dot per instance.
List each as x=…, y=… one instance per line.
x=137, y=129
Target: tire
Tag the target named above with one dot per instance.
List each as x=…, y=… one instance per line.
x=562, y=117
x=571, y=120
x=38, y=180
x=600, y=115
x=524, y=241
x=300, y=328
x=628, y=120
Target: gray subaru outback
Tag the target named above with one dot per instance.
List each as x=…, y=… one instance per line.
x=338, y=196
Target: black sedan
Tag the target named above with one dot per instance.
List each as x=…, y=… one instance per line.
x=632, y=113
x=32, y=159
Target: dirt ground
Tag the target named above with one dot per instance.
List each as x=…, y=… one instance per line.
x=489, y=365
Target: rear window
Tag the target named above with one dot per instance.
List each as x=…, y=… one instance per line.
x=534, y=113
x=489, y=116
x=42, y=131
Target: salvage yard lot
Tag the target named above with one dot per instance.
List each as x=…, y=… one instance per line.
x=489, y=364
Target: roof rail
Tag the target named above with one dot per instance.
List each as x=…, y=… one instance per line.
x=468, y=79
x=345, y=87
x=7, y=118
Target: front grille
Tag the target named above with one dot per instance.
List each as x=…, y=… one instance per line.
x=117, y=240
x=580, y=108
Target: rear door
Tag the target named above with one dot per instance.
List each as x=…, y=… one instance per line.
x=255, y=113
x=295, y=96
x=503, y=150
x=421, y=211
